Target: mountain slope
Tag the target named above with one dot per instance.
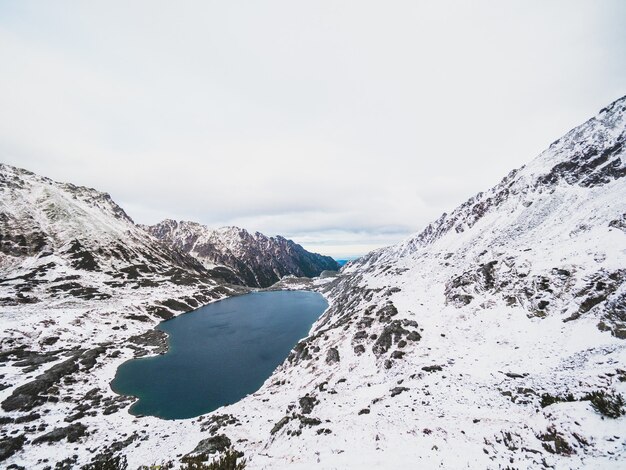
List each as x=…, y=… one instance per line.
x=448, y=350
x=549, y=236
x=255, y=259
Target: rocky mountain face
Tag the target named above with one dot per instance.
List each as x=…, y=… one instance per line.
x=254, y=259
x=548, y=237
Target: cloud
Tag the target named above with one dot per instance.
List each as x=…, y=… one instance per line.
x=345, y=125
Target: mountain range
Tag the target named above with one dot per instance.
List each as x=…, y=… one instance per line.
x=254, y=259
x=494, y=338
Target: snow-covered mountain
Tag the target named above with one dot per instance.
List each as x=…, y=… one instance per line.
x=77, y=279
x=71, y=243
x=549, y=237
x=485, y=341
x=460, y=347
x=255, y=259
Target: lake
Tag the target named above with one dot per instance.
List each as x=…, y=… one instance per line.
x=218, y=353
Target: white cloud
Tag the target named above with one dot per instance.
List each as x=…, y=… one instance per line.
x=345, y=125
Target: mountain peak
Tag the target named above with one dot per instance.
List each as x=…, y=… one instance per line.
x=592, y=155
x=60, y=195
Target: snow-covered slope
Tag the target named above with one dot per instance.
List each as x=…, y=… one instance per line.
x=444, y=351
x=255, y=259
x=549, y=237
x=436, y=352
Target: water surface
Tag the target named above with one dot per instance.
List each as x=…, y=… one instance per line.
x=219, y=353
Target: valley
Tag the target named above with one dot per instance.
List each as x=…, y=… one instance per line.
x=493, y=338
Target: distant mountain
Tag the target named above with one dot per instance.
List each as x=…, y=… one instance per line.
x=254, y=259
x=343, y=261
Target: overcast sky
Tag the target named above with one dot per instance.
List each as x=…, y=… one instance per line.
x=345, y=125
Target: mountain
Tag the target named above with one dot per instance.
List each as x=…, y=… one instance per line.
x=71, y=244
x=255, y=259
x=549, y=237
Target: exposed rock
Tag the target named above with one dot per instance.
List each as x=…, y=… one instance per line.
x=393, y=333
x=32, y=394
x=36, y=359
x=397, y=354
x=27, y=418
x=10, y=445
x=386, y=312
x=72, y=433
x=280, y=424
x=460, y=290
x=555, y=443
x=332, y=356
x=153, y=341
x=212, y=445
x=216, y=422
x=306, y=421
x=619, y=223
x=515, y=375
x=88, y=358
x=398, y=390
x=307, y=403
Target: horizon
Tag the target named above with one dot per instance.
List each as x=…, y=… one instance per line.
x=342, y=140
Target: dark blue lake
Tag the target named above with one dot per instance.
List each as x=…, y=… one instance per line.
x=219, y=353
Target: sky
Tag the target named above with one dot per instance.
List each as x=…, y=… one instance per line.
x=343, y=125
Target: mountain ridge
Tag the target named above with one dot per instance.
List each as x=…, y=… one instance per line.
x=255, y=259
x=602, y=126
